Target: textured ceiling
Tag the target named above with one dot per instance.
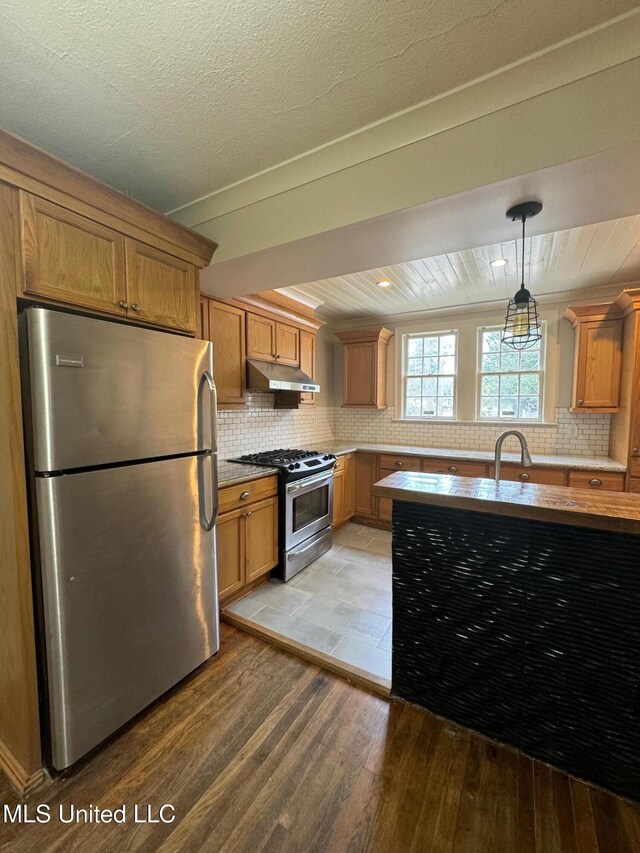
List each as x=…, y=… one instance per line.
x=592, y=256
x=171, y=100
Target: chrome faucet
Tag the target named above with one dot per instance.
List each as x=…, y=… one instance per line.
x=525, y=457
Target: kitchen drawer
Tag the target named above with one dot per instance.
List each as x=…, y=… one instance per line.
x=233, y=497
x=543, y=476
x=339, y=466
x=400, y=463
x=606, y=481
x=454, y=467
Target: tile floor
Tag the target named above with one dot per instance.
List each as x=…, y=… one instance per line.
x=339, y=605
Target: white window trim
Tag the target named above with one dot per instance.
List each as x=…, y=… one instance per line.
x=467, y=325
x=542, y=372
x=404, y=376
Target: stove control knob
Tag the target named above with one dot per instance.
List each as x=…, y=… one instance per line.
x=326, y=457
x=297, y=465
x=291, y=467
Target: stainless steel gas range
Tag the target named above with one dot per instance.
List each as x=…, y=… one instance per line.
x=305, y=494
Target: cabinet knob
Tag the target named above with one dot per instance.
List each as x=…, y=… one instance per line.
x=245, y=495
x=596, y=482
x=277, y=356
x=123, y=303
x=524, y=477
x=581, y=402
x=399, y=464
x=452, y=469
x=246, y=514
x=634, y=452
x=135, y=306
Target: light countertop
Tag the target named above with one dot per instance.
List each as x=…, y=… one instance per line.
x=232, y=473
x=590, y=463
x=616, y=511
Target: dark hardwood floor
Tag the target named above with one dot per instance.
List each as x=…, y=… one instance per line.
x=261, y=751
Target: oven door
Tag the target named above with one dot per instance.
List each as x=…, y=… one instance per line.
x=308, y=507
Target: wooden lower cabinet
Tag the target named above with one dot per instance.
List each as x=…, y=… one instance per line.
x=371, y=467
x=247, y=544
x=343, y=490
x=366, y=505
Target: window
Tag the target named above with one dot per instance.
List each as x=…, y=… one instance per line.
x=429, y=375
x=510, y=381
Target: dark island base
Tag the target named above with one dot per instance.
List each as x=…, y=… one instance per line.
x=524, y=631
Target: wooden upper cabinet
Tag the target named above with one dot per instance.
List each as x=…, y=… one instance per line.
x=224, y=326
x=269, y=340
x=261, y=337
x=307, y=363
x=598, y=358
x=365, y=367
x=70, y=258
x=287, y=344
x=161, y=289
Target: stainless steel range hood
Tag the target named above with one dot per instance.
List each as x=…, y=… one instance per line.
x=265, y=376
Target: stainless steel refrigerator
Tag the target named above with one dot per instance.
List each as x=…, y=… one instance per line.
x=121, y=446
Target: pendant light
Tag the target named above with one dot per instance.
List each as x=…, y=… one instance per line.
x=522, y=324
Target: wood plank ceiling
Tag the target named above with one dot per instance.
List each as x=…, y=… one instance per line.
x=605, y=253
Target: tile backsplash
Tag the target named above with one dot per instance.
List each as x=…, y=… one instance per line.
x=261, y=427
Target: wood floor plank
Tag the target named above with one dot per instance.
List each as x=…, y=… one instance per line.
x=260, y=751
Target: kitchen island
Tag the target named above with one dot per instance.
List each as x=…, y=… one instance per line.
x=516, y=612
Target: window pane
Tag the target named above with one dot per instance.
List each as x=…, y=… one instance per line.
x=447, y=345
x=529, y=360
x=447, y=364
x=490, y=363
x=529, y=407
x=508, y=407
x=445, y=387
x=414, y=366
x=429, y=387
x=430, y=366
x=414, y=387
x=490, y=385
x=445, y=407
x=509, y=360
x=530, y=383
x=508, y=385
x=414, y=348
x=491, y=342
x=413, y=406
x=431, y=346
x=429, y=406
x=489, y=407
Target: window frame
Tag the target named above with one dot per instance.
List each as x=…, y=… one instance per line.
x=404, y=376
x=541, y=372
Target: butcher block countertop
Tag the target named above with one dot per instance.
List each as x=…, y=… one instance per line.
x=616, y=511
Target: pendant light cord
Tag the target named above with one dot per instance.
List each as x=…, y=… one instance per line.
x=524, y=219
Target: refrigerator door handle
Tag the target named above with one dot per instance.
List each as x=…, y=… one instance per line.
x=208, y=522
x=207, y=379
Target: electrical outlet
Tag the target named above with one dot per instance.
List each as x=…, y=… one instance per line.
x=573, y=432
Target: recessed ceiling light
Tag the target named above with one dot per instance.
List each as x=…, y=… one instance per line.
x=384, y=283
x=499, y=262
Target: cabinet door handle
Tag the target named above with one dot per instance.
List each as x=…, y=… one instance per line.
x=399, y=464
x=277, y=356
x=452, y=469
x=245, y=495
x=135, y=306
x=524, y=477
x=581, y=402
x=596, y=482
x=246, y=514
x=123, y=303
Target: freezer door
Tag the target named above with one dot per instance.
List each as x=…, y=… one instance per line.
x=128, y=592
x=103, y=392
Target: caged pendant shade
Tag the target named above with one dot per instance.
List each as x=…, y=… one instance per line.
x=522, y=323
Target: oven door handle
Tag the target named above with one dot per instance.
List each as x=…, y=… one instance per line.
x=309, y=481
